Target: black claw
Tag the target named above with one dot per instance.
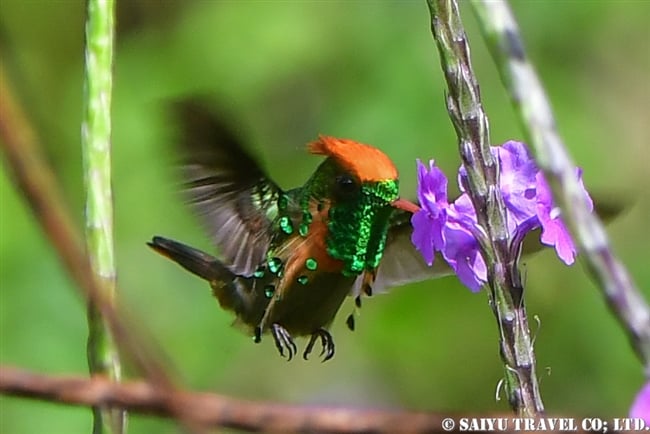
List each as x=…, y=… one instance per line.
x=350, y=322
x=258, y=335
x=309, y=347
x=283, y=340
x=327, y=344
x=323, y=344
x=357, y=301
x=330, y=347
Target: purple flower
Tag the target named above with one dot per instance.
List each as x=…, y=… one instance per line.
x=554, y=231
x=449, y=228
x=461, y=250
x=641, y=406
x=429, y=221
x=517, y=181
x=445, y=228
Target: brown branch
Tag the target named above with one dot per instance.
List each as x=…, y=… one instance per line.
x=211, y=410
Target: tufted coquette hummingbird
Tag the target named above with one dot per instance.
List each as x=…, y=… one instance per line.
x=290, y=258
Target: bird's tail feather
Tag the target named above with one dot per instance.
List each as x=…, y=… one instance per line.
x=193, y=260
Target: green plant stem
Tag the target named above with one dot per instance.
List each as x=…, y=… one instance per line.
x=103, y=357
x=505, y=289
x=37, y=184
x=533, y=108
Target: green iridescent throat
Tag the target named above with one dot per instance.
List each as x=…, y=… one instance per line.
x=357, y=229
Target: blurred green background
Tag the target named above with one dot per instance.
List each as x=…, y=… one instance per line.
x=285, y=72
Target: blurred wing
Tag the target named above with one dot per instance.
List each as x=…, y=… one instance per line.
x=231, y=193
x=401, y=263
x=607, y=208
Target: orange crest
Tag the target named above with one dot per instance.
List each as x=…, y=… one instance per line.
x=364, y=161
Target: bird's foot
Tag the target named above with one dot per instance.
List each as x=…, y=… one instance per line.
x=327, y=344
x=283, y=341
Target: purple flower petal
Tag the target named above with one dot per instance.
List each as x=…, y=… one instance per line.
x=429, y=222
x=641, y=406
x=461, y=250
x=590, y=202
x=517, y=182
x=432, y=188
x=554, y=231
x=427, y=233
x=462, y=254
x=462, y=209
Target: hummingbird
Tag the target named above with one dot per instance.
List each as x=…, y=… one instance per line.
x=288, y=259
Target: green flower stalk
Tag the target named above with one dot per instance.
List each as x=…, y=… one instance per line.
x=533, y=108
x=96, y=147
x=505, y=287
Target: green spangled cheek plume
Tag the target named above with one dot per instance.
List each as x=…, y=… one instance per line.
x=357, y=229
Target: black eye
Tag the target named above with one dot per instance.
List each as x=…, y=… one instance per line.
x=346, y=185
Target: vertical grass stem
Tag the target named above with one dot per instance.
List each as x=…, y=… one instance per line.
x=96, y=148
